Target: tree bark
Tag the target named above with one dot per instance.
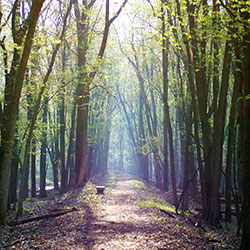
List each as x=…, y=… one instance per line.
x=64, y=171
x=43, y=154
x=13, y=175
x=70, y=156
x=166, y=106
x=12, y=98
x=85, y=79
x=218, y=139
x=33, y=169
x=245, y=240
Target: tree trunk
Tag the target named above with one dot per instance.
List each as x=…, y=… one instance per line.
x=104, y=169
x=33, y=169
x=70, y=156
x=64, y=171
x=230, y=148
x=81, y=133
x=42, y=192
x=165, y=153
x=245, y=240
x=218, y=139
x=56, y=157
x=121, y=151
x=13, y=176
x=90, y=161
x=142, y=141
x=85, y=79
x=33, y=121
x=185, y=201
x=165, y=102
x=11, y=108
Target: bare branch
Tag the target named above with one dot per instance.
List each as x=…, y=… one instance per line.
x=5, y=57
x=152, y=7
x=91, y=3
x=13, y=21
x=6, y=21
x=118, y=12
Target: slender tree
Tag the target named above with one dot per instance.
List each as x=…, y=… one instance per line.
x=13, y=86
x=85, y=78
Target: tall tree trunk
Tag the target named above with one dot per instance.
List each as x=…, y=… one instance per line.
x=34, y=117
x=245, y=241
x=218, y=138
x=85, y=79
x=55, y=152
x=12, y=98
x=230, y=149
x=90, y=159
x=142, y=142
x=13, y=175
x=70, y=166
x=165, y=44
x=104, y=169
x=121, y=150
x=190, y=67
x=165, y=153
x=185, y=201
x=33, y=169
x=64, y=171
x=43, y=154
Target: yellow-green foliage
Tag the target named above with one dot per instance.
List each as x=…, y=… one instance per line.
x=156, y=202
x=88, y=196
x=140, y=185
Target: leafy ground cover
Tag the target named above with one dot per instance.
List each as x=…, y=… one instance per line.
x=131, y=215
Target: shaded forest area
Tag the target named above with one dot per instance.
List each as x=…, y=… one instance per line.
x=160, y=89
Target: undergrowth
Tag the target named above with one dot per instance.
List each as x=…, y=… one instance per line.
x=156, y=202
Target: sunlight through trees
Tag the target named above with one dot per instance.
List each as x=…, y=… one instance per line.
x=155, y=88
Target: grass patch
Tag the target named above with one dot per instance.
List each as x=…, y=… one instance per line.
x=29, y=209
x=89, y=197
x=139, y=185
x=156, y=202
x=50, y=182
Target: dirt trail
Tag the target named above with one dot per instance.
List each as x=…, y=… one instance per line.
x=122, y=224
x=127, y=217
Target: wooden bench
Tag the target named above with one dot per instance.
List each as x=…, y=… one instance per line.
x=100, y=189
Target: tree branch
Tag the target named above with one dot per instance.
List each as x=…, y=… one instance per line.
x=91, y=3
x=6, y=21
x=118, y=12
x=41, y=217
x=152, y=7
x=5, y=57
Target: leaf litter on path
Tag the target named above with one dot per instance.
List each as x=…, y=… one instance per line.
x=130, y=215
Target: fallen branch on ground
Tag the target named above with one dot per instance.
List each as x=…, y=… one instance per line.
x=41, y=217
x=12, y=243
x=166, y=212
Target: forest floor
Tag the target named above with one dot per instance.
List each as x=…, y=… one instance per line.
x=130, y=215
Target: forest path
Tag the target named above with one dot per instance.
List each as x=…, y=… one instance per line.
x=120, y=223
x=129, y=216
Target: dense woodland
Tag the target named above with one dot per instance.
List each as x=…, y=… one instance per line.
x=159, y=88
